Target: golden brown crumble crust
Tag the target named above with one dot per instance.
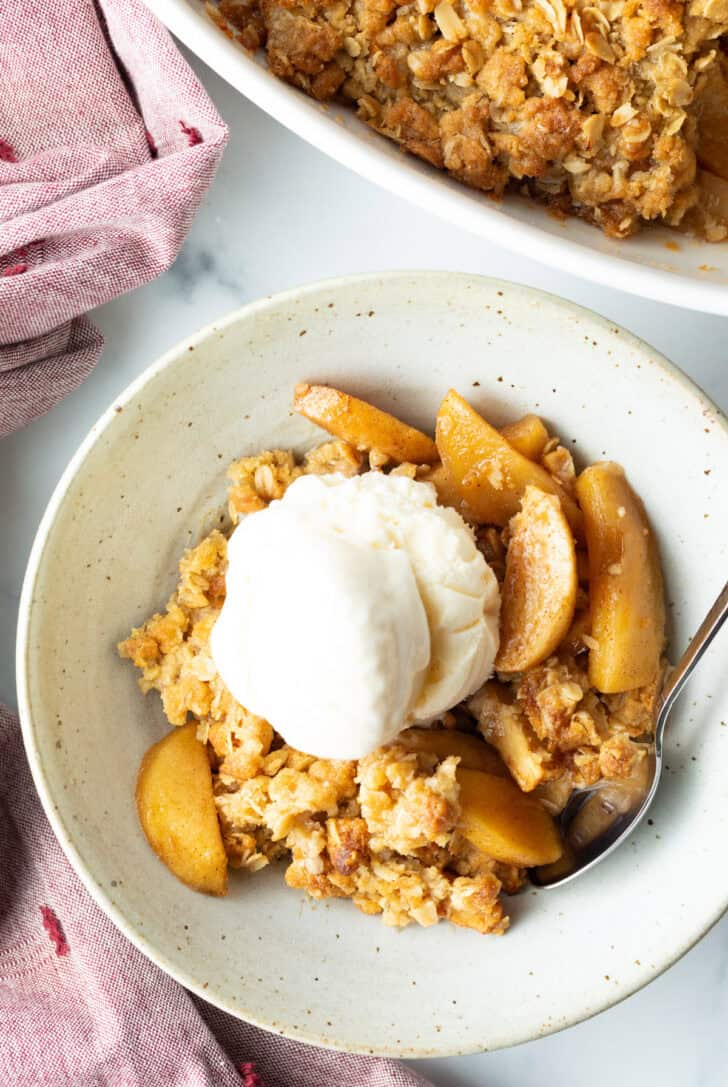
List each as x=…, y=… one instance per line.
x=589, y=105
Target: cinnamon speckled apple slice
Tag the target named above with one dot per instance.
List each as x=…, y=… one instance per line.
x=177, y=811
x=362, y=425
x=504, y=823
x=490, y=474
x=528, y=435
x=447, y=493
x=625, y=582
x=539, y=590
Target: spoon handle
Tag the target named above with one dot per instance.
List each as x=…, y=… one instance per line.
x=684, y=668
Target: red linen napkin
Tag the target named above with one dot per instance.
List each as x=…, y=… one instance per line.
x=107, y=144
x=81, y=1007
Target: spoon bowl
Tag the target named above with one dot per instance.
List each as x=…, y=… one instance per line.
x=595, y=822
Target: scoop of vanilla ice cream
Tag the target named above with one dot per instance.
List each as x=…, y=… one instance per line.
x=354, y=608
x=324, y=637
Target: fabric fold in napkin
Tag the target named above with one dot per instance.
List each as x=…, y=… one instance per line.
x=107, y=145
x=81, y=1007
x=108, y=142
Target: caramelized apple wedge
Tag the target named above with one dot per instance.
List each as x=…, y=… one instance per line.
x=489, y=473
x=528, y=435
x=177, y=811
x=539, y=590
x=474, y=753
x=362, y=425
x=447, y=492
x=504, y=823
x=712, y=112
x=625, y=582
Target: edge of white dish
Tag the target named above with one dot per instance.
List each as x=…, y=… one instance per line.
x=321, y=125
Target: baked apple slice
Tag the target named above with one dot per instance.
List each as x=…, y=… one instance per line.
x=177, y=811
x=712, y=114
x=539, y=590
x=473, y=752
x=447, y=492
x=625, y=582
x=362, y=425
x=504, y=823
x=489, y=473
x=528, y=435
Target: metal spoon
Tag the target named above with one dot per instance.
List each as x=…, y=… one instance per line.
x=596, y=821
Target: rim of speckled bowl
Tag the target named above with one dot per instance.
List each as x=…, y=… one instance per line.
x=29, y=727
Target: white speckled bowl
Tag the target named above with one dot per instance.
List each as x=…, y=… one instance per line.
x=149, y=479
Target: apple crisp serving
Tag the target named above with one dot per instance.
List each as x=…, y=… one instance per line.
x=441, y=822
x=612, y=110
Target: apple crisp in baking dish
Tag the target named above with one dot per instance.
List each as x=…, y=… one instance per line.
x=612, y=110
x=452, y=811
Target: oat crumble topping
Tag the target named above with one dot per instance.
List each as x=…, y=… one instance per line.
x=381, y=831
x=596, y=107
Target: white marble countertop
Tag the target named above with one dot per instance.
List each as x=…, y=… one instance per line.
x=281, y=214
